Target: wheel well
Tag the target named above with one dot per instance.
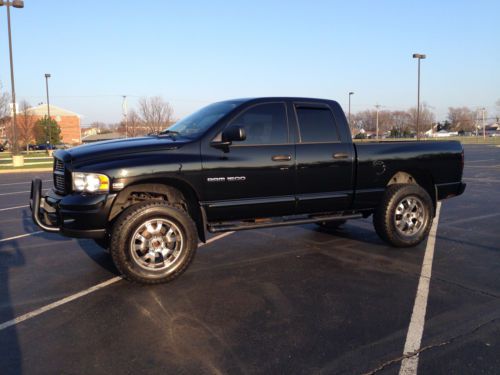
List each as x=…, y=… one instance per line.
x=177, y=193
x=421, y=178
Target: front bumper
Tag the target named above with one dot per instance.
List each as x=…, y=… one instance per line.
x=73, y=215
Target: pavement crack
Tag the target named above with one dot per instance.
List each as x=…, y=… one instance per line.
x=428, y=347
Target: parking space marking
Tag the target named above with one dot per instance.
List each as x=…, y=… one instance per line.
x=13, y=208
x=21, y=236
x=20, y=192
x=53, y=305
x=16, y=192
x=409, y=365
x=75, y=296
x=21, y=183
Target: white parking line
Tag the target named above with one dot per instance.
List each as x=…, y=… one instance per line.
x=416, y=329
x=21, y=183
x=13, y=208
x=16, y=192
x=20, y=236
x=20, y=192
x=75, y=296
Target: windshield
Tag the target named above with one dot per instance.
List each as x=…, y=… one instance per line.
x=197, y=123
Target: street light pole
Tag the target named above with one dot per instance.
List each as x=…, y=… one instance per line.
x=378, y=107
x=484, y=125
x=418, y=56
x=350, y=126
x=47, y=76
x=125, y=110
x=15, y=4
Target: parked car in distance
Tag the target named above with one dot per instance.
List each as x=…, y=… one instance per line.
x=242, y=164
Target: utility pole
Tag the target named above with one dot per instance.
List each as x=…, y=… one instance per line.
x=484, y=125
x=124, y=108
x=350, y=126
x=378, y=107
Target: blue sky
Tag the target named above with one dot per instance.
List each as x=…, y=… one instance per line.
x=196, y=52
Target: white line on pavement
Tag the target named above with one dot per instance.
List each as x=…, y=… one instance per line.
x=20, y=192
x=75, y=296
x=20, y=236
x=21, y=183
x=16, y=192
x=13, y=208
x=416, y=329
x=53, y=305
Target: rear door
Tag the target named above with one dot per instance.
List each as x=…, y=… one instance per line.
x=324, y=163
x=255, y=177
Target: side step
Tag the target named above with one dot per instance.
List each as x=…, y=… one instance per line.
x=240, y=225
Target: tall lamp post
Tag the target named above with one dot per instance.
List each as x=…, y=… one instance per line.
x=15, y=4
x=418, y=56
x=49, y=141
x=378, y=108
x=350, y=126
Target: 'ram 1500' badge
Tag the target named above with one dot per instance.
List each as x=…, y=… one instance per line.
x=228, y=179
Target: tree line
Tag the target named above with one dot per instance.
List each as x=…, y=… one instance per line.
x=400, y=123
x=152, y=115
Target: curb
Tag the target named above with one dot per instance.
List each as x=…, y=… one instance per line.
x=27, y=170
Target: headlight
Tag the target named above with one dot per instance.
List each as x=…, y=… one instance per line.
x=90, y=182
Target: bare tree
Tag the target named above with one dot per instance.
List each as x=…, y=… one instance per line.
x=427, y=119
x=6, y=124
x=156, y=113
x=134, y=126
x=25, y=125
x=461, y=118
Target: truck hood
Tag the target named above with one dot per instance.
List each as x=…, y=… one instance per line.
x=120, y=147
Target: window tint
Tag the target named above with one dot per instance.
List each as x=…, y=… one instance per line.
x=316, y=124
x=264, y=124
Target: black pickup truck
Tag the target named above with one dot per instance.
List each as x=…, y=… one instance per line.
x=241, y=164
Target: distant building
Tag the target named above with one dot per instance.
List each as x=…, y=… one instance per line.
x=102, y=137
x=68, y=121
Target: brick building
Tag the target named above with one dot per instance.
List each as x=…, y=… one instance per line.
x=68, y=121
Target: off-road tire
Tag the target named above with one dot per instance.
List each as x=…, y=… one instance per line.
x=130, y=221
x=384, y=217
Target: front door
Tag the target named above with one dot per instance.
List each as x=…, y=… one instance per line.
x=254, y=178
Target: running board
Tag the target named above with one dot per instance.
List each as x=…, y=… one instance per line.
x=228, y=226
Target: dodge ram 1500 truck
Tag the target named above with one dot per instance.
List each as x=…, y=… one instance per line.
x=241, y=164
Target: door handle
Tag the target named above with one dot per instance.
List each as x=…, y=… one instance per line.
x=281, y=158
x=340, y=155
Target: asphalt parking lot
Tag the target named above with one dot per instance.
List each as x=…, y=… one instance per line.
x=290, y=300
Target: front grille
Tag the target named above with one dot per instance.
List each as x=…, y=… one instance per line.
x=58, y=165
x=59, y=176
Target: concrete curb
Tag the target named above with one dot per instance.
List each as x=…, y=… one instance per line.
x=26, y=170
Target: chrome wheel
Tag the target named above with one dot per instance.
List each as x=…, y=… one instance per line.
x=410, y=216
x=157, y=244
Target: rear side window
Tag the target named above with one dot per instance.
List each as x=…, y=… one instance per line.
x=264, y=124
x=316, y=124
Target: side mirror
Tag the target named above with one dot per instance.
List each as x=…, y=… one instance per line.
x=229, y=135
x=234, y=134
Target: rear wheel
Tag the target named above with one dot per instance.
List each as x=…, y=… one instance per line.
x=153, y=242
x=404, y=216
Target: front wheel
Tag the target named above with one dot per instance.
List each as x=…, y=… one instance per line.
x=404, y=215
x=153, y=242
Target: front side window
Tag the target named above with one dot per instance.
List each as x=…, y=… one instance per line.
x=200, y=121
x=316, y=124
x=263, y=124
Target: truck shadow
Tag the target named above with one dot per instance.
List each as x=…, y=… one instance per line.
x=11, y=256
x=100, y=256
